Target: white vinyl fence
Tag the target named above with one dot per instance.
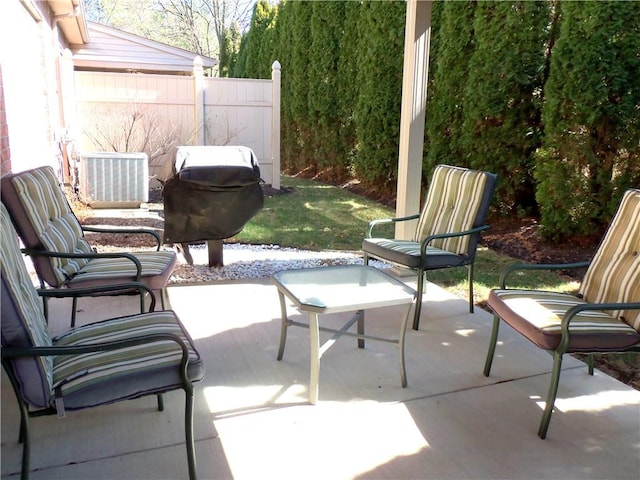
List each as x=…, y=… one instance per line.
x=153, y=113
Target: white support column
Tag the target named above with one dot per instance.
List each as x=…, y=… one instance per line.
x=412, y=118
x=275, y=125
x=198, y=105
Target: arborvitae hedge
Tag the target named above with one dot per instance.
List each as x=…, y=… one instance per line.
x=323, y=102
x=299, y=82
x=260, y=47
x=590, y=152
x=377, y=114
x=446, y=109
x=570, y=142
x=348, y=90
x=503, y=95
x=283, y=53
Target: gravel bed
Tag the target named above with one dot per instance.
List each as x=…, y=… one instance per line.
x=243, y=261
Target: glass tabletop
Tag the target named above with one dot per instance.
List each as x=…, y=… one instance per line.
x=341, y=288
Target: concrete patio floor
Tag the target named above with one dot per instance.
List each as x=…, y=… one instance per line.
x=253, y=419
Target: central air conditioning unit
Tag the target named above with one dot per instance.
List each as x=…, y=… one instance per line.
x=111, y=179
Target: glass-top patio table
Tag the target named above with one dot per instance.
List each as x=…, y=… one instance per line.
x=336, y=289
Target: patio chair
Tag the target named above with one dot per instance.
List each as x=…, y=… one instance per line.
x=448, y=229
x=55, y=240
x=104, y=362
x=603, y=317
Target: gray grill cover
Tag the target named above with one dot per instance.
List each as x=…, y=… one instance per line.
x=213, y=193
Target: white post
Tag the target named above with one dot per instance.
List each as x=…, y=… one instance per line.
x=198, y=105
x=412, y=117
x=275, y=125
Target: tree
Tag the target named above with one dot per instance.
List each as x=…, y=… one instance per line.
x=347, y=89
x=503, y=95
x=259, y=44
x=195, y=25
x=299, y=81
x=377, y=114
x=590, y=152
x=229, y=50
x=325, y=35
x=446, y=108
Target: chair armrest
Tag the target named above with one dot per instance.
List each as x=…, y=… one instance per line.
x=42, y=253
x=517, y=267
x=141, y=231
x=431, y=238
x=382, y=221
x=17, y=352
x=572, y=312
x=100, y=289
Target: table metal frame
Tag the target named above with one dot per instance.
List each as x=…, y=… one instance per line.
x=389, y=291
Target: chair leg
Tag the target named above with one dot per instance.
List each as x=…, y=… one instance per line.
x=74, y=307
x=492, y=345
x=188, y=417
x=164, y=299
x=470, y=280
x=418, y=309
x=590, y=363
x=45, y=308
x=160, y=398
x=551, y=396
x=24, y=439
x=23, y=436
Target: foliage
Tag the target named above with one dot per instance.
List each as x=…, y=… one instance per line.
x=347, y=88
x=259, y=45
x=503, y=94
x=133, y=127
x=377, y=110
x=445, y=114
x=434, y=48
x=195, y=25
x=323, y=102
x=544, y=93
x=590, y=151
x=283, y=52
x=229, y=49
x=299, y=83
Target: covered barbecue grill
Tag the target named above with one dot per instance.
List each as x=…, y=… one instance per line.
x=211, y=193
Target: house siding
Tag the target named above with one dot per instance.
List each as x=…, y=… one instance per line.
x=115, y=50
x=5, y=146
x=29, y=82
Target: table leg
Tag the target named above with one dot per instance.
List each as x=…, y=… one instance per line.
x=360, y=314
x=283, y=326
x=314, y=347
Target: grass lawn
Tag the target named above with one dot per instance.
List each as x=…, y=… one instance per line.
x=317, y=216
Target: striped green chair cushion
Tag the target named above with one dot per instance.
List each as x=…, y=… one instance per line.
x=454, y=199
x=157, y=266
x=102, y=377
x=614, y=273
x=22, y=318
x=407, y=252
x=538, y=316
x=45, y=221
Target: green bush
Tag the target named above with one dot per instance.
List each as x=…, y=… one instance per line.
x=544, y=93
x=503, y=95
x=590, y=151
